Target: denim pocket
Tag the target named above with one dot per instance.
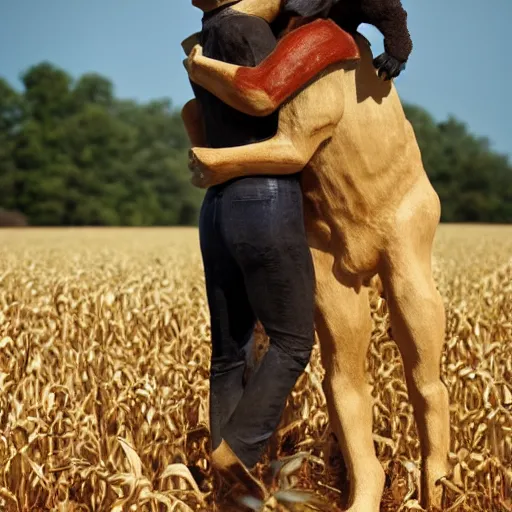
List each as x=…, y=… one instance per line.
x=243, y=199
x=254, y=195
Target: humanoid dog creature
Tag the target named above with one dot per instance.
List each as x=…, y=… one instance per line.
x=370, y=210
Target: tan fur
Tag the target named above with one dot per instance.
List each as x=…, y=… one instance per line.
x=370, y=210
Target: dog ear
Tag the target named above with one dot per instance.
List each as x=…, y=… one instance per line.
x=189, y=43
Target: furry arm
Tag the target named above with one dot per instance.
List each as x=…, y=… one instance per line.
x=299, y=57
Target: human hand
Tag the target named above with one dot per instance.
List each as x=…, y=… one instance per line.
x=192, y=62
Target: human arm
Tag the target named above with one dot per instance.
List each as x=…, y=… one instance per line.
x=276, y=156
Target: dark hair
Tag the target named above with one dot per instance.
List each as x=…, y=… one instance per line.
x=285, y=23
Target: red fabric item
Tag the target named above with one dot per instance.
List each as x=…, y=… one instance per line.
x=298, y=58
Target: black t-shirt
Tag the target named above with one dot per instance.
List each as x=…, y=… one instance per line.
x=244, y=40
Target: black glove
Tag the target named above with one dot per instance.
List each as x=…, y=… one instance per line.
x=388, y=65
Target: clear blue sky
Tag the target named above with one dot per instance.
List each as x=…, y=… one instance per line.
x=461, y=62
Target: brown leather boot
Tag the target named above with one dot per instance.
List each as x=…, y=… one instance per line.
x=225, y=461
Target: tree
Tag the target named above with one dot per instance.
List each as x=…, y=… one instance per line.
x=47, y=93
x=12, y=112
x=473, y=183
x=93, y=88
x=71, y=153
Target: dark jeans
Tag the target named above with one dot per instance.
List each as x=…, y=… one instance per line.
x=257, y=266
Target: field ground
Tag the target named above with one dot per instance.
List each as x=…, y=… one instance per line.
x=104, y=353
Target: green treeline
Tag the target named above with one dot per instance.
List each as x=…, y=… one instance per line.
x=73, y=154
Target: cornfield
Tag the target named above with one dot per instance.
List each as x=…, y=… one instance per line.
x=104, y=360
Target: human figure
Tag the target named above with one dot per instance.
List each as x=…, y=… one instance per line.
x=257, y=263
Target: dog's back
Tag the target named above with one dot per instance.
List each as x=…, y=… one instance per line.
x=359, y=182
